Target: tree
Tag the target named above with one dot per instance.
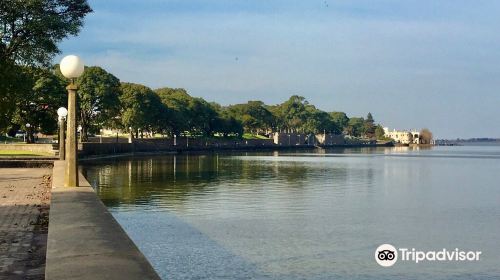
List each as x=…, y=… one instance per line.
x=98, y=100
x=227, y=125
x=29, y=33
x=426, y=136
x=291, y=115
x=30, y=30
x=356, y=127
x=340, y=119
x=379, y=132
x=177, y=100
x=369, y=126
x=141, y=107
x=297, y=115
x=203, y=116
x=318, y=121
x=254, y=116
x=43, y=95
x=13, y=83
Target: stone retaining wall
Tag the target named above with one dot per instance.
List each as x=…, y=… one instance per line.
x=85, y=241
x=165, y=145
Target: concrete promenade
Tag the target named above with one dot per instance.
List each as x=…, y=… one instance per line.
x=85, y=241
x=24, y=206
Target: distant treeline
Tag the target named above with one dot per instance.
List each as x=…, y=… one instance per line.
x=469, y=140
x=104, y=101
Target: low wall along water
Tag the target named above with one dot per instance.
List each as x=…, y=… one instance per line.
x=280, y=141
x=153, y=145
x=84, y=240
x=39, y=148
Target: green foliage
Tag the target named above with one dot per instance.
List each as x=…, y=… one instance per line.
x=204, y=117
x=227, y=126
x=196, y=115
x=340, y=120
x=12, y=85
x=297, y=115
x=98, y=101
x=380, y=133
x=292, y=113
x=44, y=93
x=31, y=29
x=369, y=127
x=177, y=100
x=254, y=116
x=141, y=107
x=356, y=127
x=29, y=33
x=105, y=102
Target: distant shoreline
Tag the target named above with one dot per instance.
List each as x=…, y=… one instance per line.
x=468, y=142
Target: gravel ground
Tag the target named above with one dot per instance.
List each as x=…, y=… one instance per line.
x=24, y=210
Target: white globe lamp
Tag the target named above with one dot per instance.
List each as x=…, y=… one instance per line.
x=71, y=66
x=62, y=112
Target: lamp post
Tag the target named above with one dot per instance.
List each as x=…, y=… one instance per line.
x=71, y=67
x=27, y=137
x=130, y=135
x=79, y=129
x=62, y=113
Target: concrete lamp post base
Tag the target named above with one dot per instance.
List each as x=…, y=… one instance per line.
x=71, y=171
x=62, y=146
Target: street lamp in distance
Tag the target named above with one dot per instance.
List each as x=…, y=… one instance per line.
x=71, y=67
x=130, y=135
x=79, y=129
x=27, y=137
x=62, y=113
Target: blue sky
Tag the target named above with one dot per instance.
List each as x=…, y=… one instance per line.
x=413, y=64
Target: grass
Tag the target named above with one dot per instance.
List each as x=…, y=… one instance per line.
x=253, y=136
x=20, y=153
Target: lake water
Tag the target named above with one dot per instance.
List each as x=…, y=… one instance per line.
x=307, y=215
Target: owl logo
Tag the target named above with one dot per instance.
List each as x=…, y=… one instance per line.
x=386, y=255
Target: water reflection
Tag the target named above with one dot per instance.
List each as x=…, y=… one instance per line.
x=306, y=215
x=172, y=180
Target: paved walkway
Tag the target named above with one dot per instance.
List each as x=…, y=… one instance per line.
x=24, y=207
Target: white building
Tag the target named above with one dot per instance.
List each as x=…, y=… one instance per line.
x=403, y=136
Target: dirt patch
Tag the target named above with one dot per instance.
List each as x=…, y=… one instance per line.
x=24, y=216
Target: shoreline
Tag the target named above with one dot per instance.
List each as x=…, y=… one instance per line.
x=201, y=150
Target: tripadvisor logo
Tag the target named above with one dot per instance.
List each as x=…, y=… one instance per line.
x=387, y=255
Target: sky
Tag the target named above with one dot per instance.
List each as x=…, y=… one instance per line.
x=412, y=64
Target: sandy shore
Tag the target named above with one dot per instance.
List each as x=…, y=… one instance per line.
x=24, y=209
